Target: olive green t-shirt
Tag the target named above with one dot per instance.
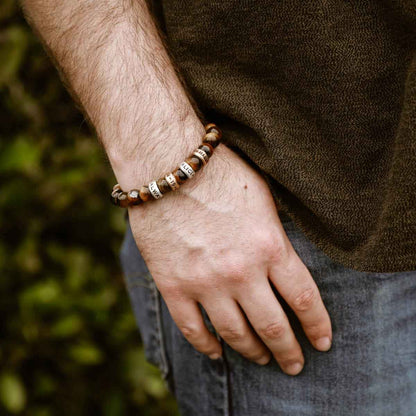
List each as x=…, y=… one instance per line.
x=321, y=97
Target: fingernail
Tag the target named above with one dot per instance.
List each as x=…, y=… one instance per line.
x=294, y=369
x=323, y=344
x=263, y=360
x=214, y=356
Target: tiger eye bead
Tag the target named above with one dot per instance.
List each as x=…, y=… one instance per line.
x=212, y=128
x=194, y=162
x=212, y=139
x=134, y=197
x=123, y=200
x=179, y=176
x=207, y=148
x=145, y=194
x=163, y=185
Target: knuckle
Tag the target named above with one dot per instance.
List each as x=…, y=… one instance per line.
x=305, y=300
x=190, y=331
x=233, y=335
x=271, y=245
x=169, y=289
x=278, y=252
x=273, y=331
x=237, y=274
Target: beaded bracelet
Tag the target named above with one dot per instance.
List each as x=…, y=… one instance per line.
x=172, y=181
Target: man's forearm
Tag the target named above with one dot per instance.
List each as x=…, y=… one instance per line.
x=114, y=62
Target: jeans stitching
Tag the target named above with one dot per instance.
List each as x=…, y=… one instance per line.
x=164, y=366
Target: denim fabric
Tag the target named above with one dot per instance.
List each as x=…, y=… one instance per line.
x=369, y=371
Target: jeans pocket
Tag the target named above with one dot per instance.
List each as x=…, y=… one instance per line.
x=146, y=303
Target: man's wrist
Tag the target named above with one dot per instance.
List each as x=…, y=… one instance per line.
x=155, y=153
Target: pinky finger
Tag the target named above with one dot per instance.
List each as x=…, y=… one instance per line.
x=189, y=320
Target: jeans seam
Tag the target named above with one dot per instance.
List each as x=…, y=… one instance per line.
x=164, y=365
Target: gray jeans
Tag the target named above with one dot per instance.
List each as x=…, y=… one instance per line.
x=370, y=369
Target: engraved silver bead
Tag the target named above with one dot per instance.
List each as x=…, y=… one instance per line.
x=187, y=170
x=200, y=154
x=170, y=179
x=154, y=190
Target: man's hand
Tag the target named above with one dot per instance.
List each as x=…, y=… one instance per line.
x=218, y=242
x=218, y=239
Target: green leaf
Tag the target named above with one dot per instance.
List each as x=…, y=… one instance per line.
x=67, y=326
x=12, y=393
x=21, y=155
x=42, y=293
x=12, y=52
x=86, y=354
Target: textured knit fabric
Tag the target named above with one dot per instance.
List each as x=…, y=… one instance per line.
x=370, y=369
x=321, y=97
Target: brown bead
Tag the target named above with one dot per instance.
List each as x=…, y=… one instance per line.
x=179, y=176
x=212, y=139
x=194, y=162
x=134, y=197
x=163, y=185
x=207, y=148
x=114, y=200
x=212, y=128
x=117, y=187
x=209, y=126
x=123, y=200
x=145, y=194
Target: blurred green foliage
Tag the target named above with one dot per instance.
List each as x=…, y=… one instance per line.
x=68, y=340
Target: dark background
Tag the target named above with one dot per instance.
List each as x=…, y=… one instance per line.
x=68, y=340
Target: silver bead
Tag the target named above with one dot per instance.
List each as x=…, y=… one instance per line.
x=170, y=179
x=154, y=190
x=115, y=193
x=200, y=154
x=187, y=170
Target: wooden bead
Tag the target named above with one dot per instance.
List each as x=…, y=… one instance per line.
x=163, y=185
x=114, y=200
x=212, y=139
x=123, y=200
x=207, y=148
x=179, y=176
x=134, y=197
x=209, y=126
x=145, y=194
x=194, y=162
x=212, y=128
